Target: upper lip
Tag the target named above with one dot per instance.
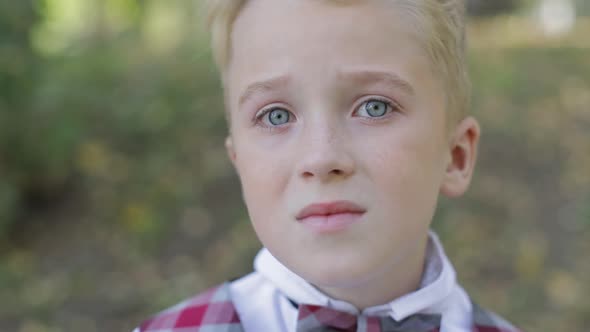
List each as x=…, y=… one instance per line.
x=324, y=209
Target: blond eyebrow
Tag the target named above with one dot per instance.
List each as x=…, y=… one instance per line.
x=267, y=85
x=368, y=77
x=362, y=77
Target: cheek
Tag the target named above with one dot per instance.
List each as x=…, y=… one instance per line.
x=258, y=194
x=263, y=176
x=409, y=168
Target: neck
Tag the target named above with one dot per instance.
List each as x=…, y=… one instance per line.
x=398, y=278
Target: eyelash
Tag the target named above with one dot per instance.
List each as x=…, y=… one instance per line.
x=259, y=118
x=392, y=107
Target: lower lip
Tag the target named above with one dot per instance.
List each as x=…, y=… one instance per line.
x=331, y=223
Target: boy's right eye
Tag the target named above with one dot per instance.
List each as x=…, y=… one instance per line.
x=275, y=116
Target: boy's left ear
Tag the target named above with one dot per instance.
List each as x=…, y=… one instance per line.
x=463, y=155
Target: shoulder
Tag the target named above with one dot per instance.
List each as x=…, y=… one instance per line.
x=488, y=321
x=213, y=307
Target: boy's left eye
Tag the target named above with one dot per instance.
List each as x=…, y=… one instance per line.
x=374, y=108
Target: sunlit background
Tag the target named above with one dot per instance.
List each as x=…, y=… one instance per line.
x=117, y=199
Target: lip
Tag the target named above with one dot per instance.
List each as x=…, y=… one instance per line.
x=330, y=217
x=326, y=209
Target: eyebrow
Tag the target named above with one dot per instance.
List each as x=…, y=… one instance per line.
x=362, y=77
x=267, y=85
x=368, y=77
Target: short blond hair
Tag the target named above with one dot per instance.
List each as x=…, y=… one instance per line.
x=442, y=22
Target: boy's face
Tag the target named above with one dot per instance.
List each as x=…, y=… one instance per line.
x=353, y=113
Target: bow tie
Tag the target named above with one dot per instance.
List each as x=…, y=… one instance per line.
x=312, y=318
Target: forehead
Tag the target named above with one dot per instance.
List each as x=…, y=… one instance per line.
x=277, y=37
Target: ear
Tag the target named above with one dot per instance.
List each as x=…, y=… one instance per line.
x=229, y=147
x=462, y=158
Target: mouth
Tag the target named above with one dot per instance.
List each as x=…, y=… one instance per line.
x=330, y=217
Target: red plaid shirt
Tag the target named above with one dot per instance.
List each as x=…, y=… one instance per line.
x=213, y=311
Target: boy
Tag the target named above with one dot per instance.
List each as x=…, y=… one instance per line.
x=347, y=119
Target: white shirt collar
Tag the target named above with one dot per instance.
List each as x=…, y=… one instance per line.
x=438, y=282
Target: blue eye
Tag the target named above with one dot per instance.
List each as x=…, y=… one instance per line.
x=375, y=108
x=278, y=116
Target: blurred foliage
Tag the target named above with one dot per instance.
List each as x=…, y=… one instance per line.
x=117, y=199
x=17, y=74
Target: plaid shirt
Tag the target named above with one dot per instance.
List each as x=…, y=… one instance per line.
x=213, y=311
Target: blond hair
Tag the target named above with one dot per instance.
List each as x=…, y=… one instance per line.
x=442, y=22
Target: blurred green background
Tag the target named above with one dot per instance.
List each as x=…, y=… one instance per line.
x=117, y=199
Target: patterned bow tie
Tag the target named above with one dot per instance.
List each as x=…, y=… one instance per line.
x=314, y=318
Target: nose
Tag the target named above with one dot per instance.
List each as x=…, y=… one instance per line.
x=326, y=157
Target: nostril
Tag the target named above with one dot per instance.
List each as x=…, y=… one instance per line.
x=337, y=171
